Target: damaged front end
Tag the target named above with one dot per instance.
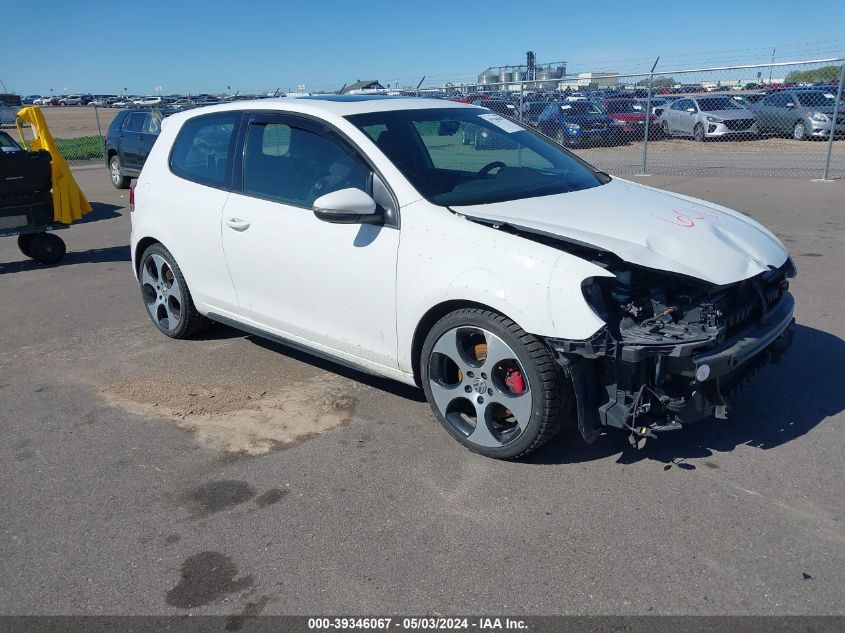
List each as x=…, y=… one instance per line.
x=673, y=348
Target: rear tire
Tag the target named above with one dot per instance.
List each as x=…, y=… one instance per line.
x=25, y=243
x=166, y=295
x=118, y=180
x=47, y=249
x=480, y=368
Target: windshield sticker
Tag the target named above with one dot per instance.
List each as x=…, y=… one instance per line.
x=501, y=123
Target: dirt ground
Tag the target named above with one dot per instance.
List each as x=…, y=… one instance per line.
x=76, y=121
x=143, y=475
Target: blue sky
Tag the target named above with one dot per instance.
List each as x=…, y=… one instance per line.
x=193, y=46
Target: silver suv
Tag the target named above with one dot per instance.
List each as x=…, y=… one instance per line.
x=804, y=114
x=711, y=116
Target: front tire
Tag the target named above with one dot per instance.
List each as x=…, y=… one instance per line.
x=698, y=133
x=166, y=295
x=799, y=131
x=495, y=388
x=118, y=180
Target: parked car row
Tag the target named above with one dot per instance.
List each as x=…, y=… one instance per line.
x=58, y=100
x=610, y=119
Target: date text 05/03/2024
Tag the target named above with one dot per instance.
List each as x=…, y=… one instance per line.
x=417, y=623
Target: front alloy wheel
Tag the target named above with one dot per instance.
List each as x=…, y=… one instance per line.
x=494, y=388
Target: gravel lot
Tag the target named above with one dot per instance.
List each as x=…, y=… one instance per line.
x=229, y=475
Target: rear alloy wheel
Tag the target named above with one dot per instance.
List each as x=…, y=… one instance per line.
x=664, y=127
x=698, y=133
x=166, y=295
x=116, y=173
x=493, y=387
x=799, y=132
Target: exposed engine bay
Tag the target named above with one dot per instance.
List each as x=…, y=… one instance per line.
x=673, y=347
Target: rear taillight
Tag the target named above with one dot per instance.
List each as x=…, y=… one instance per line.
x=132, y=195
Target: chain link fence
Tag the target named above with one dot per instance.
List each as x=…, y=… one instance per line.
x=77, y=130
x=747, y=120
x=750, y=120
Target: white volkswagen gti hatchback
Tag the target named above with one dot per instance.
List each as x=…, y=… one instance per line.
x=516, y=284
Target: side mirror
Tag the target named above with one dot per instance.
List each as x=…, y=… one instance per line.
x=347, y=206
x=691, y=110
x=790, y=105
x=448, y=128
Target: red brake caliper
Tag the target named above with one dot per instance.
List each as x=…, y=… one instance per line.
x=515, y=381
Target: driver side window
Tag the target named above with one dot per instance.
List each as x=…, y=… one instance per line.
x=296, y=166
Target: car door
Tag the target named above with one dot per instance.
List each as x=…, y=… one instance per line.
x=676, y=114
x=130, y=143
x=687, y=119
x=332, y=286
x=790, y=112
x=150, y=129
x=777, y=112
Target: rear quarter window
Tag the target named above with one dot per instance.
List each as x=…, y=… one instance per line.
x=203, y=149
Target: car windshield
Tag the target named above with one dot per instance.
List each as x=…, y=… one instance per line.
x=718, y=103
x=468, y=156
x=817, y=99
x=580, y=108
x=623, y=105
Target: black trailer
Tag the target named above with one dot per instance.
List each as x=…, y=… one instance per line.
x=26, y=202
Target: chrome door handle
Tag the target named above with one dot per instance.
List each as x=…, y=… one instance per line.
x=237, y=224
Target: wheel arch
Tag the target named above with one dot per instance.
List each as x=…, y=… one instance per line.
x=143, y=244
x=432, y=316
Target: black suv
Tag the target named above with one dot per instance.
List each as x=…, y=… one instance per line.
x=128, y=142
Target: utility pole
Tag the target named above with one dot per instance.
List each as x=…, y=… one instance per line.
x=648, y=114
x=833, y=120
x=772, y=66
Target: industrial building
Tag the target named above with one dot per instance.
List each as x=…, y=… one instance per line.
x=591, y=80
x=531, y=75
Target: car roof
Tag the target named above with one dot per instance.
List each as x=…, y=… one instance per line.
x=323, y=105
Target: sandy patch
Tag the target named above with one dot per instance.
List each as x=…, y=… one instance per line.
x=245, y=424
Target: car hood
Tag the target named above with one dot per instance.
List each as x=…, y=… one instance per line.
x=730, y=115
x=629, y=116
x=584, y=118
x=647, y=227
